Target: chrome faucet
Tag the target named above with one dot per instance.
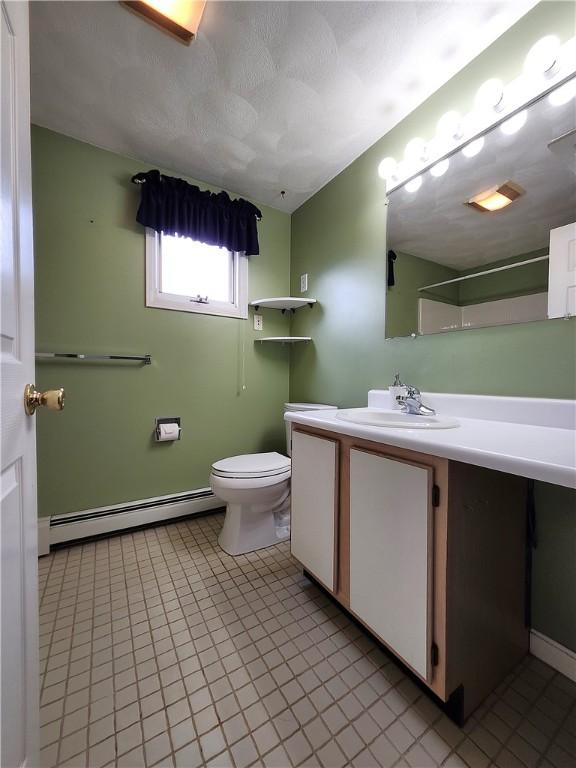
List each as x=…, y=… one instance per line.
x=413, y=405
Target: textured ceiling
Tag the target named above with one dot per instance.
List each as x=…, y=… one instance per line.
x=269, y=97
x=434, y=224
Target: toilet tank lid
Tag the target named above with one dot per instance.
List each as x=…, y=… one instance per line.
x=252, y=463
x=309, y=407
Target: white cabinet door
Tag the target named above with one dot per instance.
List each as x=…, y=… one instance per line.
x=562, y=272
x=314, y=498
x=390, y=553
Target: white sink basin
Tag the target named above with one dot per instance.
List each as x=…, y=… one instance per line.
x=376, y=417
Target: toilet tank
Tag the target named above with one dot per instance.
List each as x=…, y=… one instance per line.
x=302, y=407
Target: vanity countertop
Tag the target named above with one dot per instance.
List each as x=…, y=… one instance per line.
x=538, y=441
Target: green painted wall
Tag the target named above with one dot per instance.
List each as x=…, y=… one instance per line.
x=339, y=239
x=522, y=281
x=90, y=298
x=410, y=273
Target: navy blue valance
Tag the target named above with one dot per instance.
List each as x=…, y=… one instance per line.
x=174, y=207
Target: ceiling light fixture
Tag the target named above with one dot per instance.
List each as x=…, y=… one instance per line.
x=180, y=18
x=496, y=198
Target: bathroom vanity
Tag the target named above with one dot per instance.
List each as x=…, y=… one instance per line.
x=421, y=534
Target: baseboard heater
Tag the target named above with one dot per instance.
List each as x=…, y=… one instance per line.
x=94, y=522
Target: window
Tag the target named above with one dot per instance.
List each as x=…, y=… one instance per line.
x=189, y=276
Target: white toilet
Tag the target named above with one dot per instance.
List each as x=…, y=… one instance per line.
x=256, y=489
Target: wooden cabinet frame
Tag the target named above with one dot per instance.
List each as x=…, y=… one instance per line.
x=478, y=622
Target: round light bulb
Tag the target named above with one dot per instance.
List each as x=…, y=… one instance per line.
x=513, y=125
x=490, y=96
x=542, y=58
x=440, y=168
x=415, y=151
x=472, y=149
x=387, y=168
x=450, y=125
x=414, y=184
x=563, y=95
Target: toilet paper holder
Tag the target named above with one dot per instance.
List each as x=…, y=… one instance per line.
x=159, y=420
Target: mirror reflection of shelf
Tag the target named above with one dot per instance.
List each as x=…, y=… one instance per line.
x=439, y=317
x=485, y=272
x=283, y=303
x=285, y=339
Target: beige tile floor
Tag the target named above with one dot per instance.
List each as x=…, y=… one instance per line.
x=157, y=648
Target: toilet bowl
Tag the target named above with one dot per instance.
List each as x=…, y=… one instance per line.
x=256, y=489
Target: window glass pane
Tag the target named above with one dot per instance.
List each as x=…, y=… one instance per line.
x=190, y=268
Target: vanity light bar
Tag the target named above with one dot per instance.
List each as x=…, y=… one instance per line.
x=548, y=65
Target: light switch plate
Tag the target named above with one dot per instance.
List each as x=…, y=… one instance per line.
x=258, y=322
x=304, y=283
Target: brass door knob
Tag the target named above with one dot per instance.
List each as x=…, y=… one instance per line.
x=53, y=399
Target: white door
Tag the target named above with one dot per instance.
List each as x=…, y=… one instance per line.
x=18, y=523
x=313, y=515
x=391, y=553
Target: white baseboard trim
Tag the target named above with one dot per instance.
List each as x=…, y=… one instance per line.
x=43, y=536
x=557, y=656
x=119, y=517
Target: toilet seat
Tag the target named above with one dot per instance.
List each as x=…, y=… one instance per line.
x=252, y=466
x=248, y=485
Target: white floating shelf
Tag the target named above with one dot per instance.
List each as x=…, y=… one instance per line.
x=285, y=339
x=283, y=303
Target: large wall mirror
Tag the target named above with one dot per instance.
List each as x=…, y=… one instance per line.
x=470, y=247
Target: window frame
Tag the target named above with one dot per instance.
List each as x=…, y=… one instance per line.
x=155, y=298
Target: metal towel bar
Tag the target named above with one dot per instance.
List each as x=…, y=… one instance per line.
x=146, y=359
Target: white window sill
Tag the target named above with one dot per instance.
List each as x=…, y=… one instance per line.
x=184, y=304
